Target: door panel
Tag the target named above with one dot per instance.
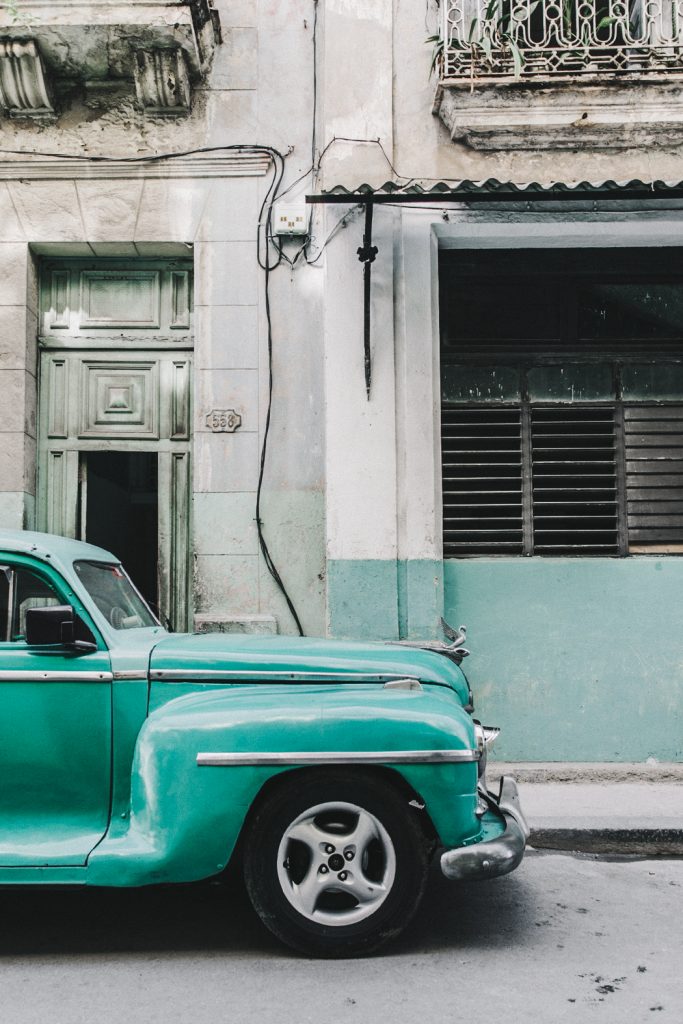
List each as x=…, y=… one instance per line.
x=55, y=754
x=55, y=737
x=59, y=493
x=174, y=534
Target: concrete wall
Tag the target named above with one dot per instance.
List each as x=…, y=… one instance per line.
x=18, y=369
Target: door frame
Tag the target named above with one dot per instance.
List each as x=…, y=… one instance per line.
x=118, y=384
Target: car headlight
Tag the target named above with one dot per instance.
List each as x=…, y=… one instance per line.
x=485, y=736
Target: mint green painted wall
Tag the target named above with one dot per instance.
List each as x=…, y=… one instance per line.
x=575, y=659
x=362, y=598
x=383, y=599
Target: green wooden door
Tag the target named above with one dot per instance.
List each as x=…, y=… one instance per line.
x=116, y=376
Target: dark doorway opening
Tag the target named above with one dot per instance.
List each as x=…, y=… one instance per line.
x=121, y=513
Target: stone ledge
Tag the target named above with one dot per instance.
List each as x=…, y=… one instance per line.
x=263, y=625
x=614, y=114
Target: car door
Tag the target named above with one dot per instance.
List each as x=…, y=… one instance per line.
x=55, y=731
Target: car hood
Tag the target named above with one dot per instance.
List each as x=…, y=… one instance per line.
x=201, y=656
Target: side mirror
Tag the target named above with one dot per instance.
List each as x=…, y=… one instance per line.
x=57, y=625
x=51, y=625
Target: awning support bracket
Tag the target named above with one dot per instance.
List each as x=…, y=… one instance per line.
x=366, y=254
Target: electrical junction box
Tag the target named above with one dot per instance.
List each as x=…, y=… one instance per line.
x=290, y=219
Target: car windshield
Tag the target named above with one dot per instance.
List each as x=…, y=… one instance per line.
x=115, y=595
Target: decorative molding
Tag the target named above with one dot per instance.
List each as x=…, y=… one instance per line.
x=192, y=24
x=179, y=429
x=214, y=165
x=119, y=399
x=159, y=45
x=180, y=299
x=59, y=313
x=120, y=299
x=23, y=86
x=58, y=398
x=162, y=82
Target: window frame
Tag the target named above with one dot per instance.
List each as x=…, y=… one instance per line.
x=568, y=348
x=13, y=609
x=62, y=587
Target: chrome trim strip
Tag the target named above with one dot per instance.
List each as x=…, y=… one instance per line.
x=131, y=674
x=403, y=684
x=231, y=760
x=8, y=676
x=190, y=674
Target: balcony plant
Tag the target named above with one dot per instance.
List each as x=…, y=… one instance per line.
x=505, y=39
x=17, y=16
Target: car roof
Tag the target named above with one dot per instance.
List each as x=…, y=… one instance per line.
x=51, y=546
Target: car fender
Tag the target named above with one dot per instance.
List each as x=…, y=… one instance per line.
x=187, y=810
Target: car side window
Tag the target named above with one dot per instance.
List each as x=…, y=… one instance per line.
x=21, y=589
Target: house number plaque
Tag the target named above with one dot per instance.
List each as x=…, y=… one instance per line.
x=223, y=421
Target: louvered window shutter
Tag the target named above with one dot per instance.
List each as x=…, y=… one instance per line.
x=653, y=441
x=482, y=481
x=574, y=480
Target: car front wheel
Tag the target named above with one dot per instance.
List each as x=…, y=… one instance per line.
x=336, y=864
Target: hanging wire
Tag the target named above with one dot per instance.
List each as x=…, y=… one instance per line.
x=265, y=551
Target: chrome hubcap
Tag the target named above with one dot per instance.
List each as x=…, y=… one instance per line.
x=336, y=863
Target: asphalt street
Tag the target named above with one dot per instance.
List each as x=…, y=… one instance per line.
x=566, y=938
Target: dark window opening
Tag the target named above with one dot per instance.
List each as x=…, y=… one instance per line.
x=562, y=402
x=121, y=513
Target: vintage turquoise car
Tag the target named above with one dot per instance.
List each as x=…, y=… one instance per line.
x=330, y=771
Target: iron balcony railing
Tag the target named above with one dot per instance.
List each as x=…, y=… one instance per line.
x=502, y=40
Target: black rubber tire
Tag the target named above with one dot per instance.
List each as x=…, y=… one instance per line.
x=267, y=827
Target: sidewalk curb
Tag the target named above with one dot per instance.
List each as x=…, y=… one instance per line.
x=646, y=842
x=587, y=771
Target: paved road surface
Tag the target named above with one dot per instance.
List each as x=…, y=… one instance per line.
x=564, y=939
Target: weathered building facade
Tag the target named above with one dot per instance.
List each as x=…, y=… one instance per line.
x=515, y=465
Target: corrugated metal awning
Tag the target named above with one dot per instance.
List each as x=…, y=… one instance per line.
x=468, y=191
x=491, y=189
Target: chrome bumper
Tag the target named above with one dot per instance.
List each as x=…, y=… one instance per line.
x=495, y=856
